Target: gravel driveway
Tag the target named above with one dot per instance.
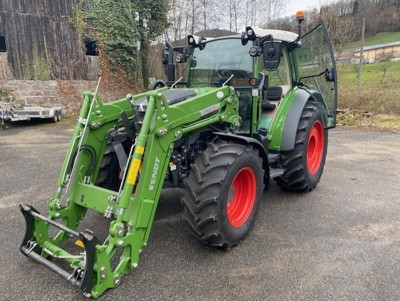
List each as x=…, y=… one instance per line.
x=339, y=242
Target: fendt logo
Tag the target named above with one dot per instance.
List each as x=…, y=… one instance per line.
x=154, y=174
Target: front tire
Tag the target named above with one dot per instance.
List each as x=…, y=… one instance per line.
x=223, y=193
x=108, y=176
x=305, y=163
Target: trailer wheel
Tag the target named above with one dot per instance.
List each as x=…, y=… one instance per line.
x=223, y=193
x=305, y=163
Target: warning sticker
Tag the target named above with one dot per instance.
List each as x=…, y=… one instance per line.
x=133, y=171
x=211, y=109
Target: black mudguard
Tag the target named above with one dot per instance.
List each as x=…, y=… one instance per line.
x=263, y=151
x=292, y=120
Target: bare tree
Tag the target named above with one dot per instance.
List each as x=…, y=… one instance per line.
x=384, y=62
x=204, y=7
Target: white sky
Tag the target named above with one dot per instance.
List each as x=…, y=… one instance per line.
x=295, y=5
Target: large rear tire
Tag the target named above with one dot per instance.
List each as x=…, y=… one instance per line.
x=305, y=163
x=223, y=193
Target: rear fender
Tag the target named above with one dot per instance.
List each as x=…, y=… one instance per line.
x=293, y=117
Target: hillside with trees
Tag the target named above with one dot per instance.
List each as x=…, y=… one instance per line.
x=344, y=19
x=124, y=30
x=130, y=36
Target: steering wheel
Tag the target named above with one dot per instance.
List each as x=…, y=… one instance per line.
x=159, y=83
x=236, y=73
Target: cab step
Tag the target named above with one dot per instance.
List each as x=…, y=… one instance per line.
x=276, y=172
x=273, y=158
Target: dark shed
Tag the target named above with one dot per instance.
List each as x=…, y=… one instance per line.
x=37, y=41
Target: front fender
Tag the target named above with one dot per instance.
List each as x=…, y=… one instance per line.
x=262, y=151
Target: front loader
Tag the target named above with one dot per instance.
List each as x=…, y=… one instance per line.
x=253, y=107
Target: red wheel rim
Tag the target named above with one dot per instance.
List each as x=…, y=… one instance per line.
x=241, y=197
x=315, y=149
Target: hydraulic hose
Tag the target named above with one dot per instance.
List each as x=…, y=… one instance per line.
x=91, y=166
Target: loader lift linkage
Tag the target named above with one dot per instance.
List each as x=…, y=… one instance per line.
x=253, y=108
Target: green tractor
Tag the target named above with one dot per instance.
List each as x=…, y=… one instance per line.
x=253, y=107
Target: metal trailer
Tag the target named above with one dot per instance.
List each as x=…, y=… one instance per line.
x=27, y=113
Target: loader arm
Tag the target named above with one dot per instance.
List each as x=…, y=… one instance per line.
x=162, y=125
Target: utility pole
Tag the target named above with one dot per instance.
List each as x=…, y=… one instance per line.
x=359, y=73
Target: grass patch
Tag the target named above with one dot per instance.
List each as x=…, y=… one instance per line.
x=368, y=120
x=379, y=90
x=371, y=73
x=380, y=38
x=376, y=98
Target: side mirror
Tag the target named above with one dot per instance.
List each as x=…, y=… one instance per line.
x=201, y=44
x=168, y=61
x=272, y=55
x=164, y=57
x=244, y=38
x=330, y=75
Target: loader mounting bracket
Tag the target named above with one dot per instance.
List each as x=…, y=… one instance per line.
x=81, y=277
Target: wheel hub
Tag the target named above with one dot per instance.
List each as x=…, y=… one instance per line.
x=315, y=147
x=241, y=197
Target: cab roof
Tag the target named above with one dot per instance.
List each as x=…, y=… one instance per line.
x=280, y=35
x=285, y=36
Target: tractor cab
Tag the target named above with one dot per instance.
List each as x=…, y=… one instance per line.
x=264, y=67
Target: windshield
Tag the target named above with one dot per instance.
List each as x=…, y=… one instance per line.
x=218, y=61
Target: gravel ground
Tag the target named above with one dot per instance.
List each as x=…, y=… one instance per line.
x=339, y=242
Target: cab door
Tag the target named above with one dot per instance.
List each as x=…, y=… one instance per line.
x=317, y=70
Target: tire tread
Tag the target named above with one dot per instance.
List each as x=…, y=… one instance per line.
x=200, y=202
x=292, y=161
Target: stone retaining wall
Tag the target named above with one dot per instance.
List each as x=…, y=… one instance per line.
x=67, y=94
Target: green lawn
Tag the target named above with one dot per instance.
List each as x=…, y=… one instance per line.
x=371, y=73
x=378, y=93
x=379, y=89
x=383, y=37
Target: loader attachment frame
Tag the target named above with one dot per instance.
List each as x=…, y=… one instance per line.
x=131, y=209
x=82, y=277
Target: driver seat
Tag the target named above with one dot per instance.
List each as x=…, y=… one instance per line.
x=272, y=96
